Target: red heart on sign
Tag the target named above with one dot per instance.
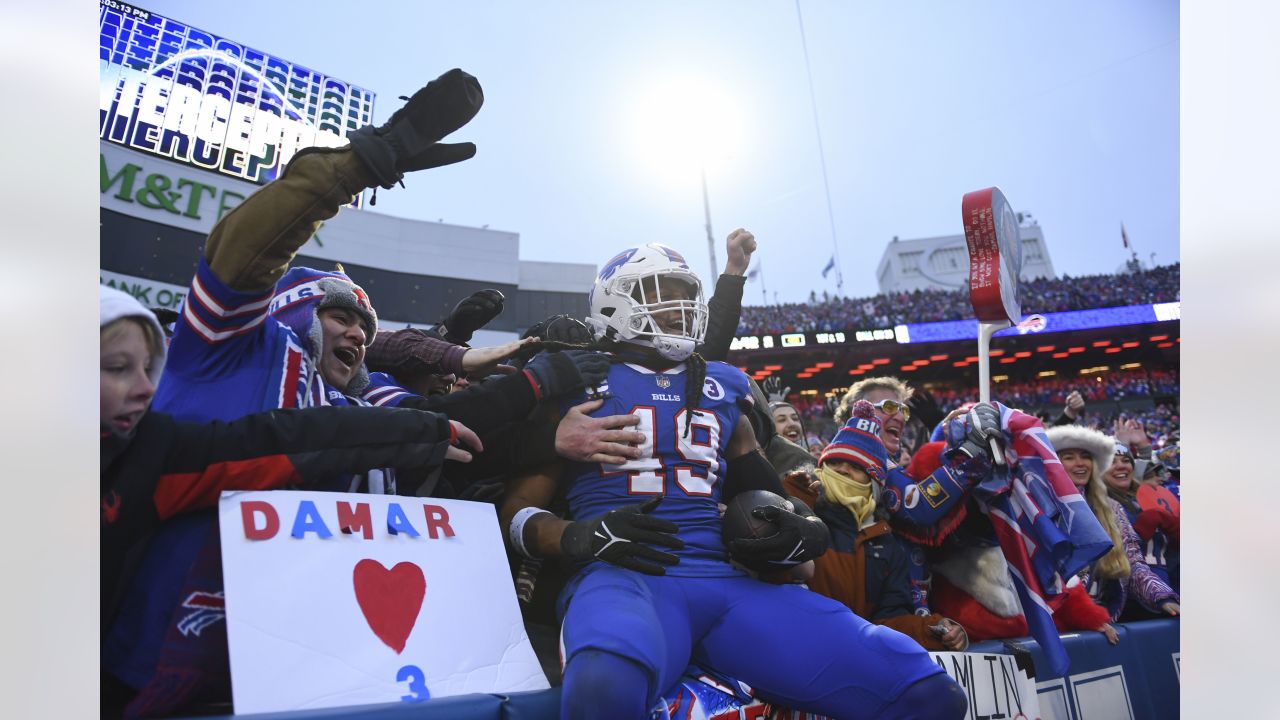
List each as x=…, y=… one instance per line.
x=390, y=599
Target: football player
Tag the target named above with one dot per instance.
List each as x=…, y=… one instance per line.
x=654, y=587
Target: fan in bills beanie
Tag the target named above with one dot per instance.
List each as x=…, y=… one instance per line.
x=859, y=442
x=303, y=292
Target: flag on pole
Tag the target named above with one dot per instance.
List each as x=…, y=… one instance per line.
x=1124, y=236
x=830, y=266
x=753, y=273
x=1043, y=525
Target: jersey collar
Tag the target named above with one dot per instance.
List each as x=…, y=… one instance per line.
x=676, y=370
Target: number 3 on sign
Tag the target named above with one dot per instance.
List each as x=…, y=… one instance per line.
x=417, y=684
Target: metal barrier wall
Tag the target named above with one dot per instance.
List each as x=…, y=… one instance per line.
x=1137, y=679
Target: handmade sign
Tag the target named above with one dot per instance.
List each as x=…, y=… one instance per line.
x=997, y=685
x=338, y=599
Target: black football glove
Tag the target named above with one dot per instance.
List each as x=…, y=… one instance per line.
x=924, y=406
x=983, y=422
x=471, y=314
x=564, y=372
x=617, y=537
x=801, y=537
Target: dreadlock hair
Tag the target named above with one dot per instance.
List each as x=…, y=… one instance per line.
x=695, y=372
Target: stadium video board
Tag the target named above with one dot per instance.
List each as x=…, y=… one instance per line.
x=172, y=90
x=1043, y=323
x=793, y=340
x=968, y=329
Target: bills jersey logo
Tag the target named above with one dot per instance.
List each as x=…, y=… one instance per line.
x=617, y=262
x=663, y=381
x=599, y=392
x=207, y=608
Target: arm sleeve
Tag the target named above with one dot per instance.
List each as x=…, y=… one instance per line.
x=508, y=450
x=1062, y=419
x=895, y=596
x=273, y=449
x=750, y=471
x=217, y=326
x=251, y=247
x=925, y=511
x=483, y=408
x=724, y=309
x=413, y=351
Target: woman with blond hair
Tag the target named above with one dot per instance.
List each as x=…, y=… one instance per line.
x=1121, y=574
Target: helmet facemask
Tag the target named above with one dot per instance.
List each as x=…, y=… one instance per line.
x=631, y=307
x=684, y=314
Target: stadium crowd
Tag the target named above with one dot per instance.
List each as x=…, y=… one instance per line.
x=827, y=313
x=1047, y=399
x=277, y=376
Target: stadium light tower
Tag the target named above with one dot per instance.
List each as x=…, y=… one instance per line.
x=706, y=208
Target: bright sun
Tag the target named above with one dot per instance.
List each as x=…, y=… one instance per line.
x=683, y=124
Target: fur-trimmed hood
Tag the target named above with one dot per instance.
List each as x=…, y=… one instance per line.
x=1100, y=446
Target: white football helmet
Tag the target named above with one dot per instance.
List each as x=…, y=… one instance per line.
x=626, y=302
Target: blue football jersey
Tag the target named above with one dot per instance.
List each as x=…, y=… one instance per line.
x=687, y=468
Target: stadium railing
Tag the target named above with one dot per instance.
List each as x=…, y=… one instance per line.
x=1138, y=678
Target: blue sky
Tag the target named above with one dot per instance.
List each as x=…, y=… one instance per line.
x=1070, y=108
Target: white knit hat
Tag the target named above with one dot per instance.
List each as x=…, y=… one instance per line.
x=114, y=304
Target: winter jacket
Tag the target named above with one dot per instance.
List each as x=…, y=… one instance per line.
x=1142, y=585
x=866, y=570
x=167, y=467
x=1158, y=532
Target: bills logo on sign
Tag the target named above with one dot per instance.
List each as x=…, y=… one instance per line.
x=1033, y=324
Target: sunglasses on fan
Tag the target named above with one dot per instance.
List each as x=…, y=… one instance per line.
x=893, y=407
